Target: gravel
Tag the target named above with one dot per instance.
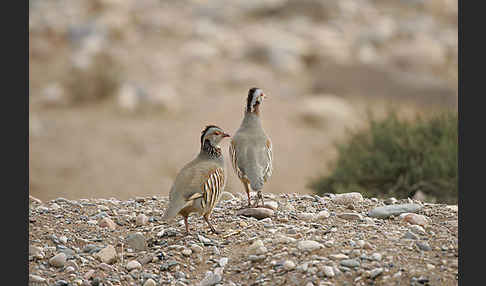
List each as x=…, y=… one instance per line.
x=248, y=251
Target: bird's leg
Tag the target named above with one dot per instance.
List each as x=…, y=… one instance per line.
x=206, y=218
x=187, y=225
x=247, y=189
x=260, y=198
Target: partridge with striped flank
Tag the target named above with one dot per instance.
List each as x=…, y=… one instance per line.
x=200, y=183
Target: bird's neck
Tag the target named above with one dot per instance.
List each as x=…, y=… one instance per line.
x=211, y=151
x=252, y=119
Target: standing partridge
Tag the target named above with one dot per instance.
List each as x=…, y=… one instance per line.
x=198, y=186
x=251, y=149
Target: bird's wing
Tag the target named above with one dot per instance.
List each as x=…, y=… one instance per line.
x=267, y=171
x=212, y=188
x=234, y=159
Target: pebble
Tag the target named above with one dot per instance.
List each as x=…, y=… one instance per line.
x=339, y=256
x=376, y=272
x=376, y=256
x=288, y=265
x=211, y=278
x=347, y=198
x=256, y=258
x=417, y=229
x=134, y=264
x=136, y=241
x=225, y=196
x=350, y=216
x=390, y=201
x=36, y=279
x=415, y=219
x=257, y=248
x=323, y=215
x=150, y=282
x=387, y=211
x=410, y=235
x=306, y=216
x=69, y=269
x=141, y=220
x=223, y=261
x=309, y=245
x=350, y=263
x=196, y=248
x=107, y=222
x=422, y=245
x=106, y=255
x=58, y=260
x=273, y=205
x=187, y=252
x=258, y=213
x=328, y=271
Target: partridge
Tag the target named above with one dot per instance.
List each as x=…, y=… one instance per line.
x=199, y=184
x=251, y=149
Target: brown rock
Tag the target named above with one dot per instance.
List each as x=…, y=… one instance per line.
x=258, y=213
x=107, y=222
x=106, y=255
x=415, y=219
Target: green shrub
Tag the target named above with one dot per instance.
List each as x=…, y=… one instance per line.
x=397, y=158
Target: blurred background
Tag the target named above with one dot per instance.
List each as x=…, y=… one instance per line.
x=120, y=90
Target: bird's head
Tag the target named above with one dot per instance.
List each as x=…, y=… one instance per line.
x=213, y=134
x=254, y=100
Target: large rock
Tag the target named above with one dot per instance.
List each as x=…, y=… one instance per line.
x=136, y=241
x=309, y=245
x=258, y=213
x=58, y=260
x=106, y=255
x=387, y=211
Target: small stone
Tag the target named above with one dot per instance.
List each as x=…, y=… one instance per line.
x=323, y=215
x=422, y=245
x=376, y=256
x=257, y=248
x=387, y=211
x=430, y=266
x=288, y=265
x=63, y=239
x=258, y=213
x=390, y=201
x=376, y=272
x=211, y=278
x=107, y=255
x=36, y=279
x=58, y=260
x=415, y=219
x=306, y=216
x=328, y=271
x=69, y=269
x=339, y=256
x=273, y=205
x=146, y=259
x=223, y=261
x=89, y=274
x=196, y=248
x=350, y=263
x=409, y=235
x=350, y=216
x=256, y=258
x=309, y=245
x=149, y=282
x=347, y=198
x=187, y=252
x=54, y=206
x=136, y=241
x=134, y=264
x=417, y=229
x=105, y=267
x=107, y=222
x=141, y=220
x=225, y=196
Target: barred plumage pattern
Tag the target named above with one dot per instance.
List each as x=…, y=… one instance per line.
x=234, y=160
x=212, y=189
x=269, y=167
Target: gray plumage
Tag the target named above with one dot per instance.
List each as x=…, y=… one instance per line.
x=251, y=149
x=198, y=186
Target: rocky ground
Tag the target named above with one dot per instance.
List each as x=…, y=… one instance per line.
x=296, y=240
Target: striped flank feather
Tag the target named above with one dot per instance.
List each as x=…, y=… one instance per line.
x=212, y=189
